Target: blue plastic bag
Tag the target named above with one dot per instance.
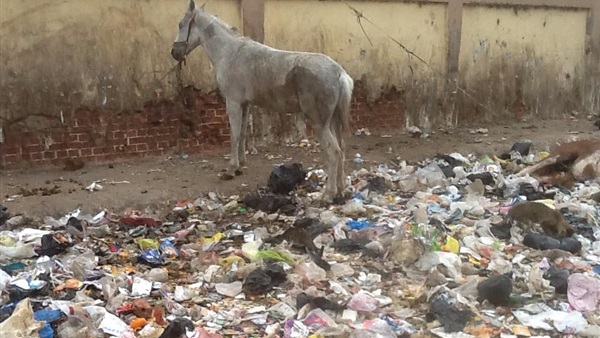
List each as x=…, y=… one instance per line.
x=358, y=225
x=47, y=316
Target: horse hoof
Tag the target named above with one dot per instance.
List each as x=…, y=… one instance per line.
x=339, y=200
x=238, y=172
x=326, y=199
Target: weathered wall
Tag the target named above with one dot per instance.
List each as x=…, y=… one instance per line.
x=522, y=61
x=60, y=55
x=369, y=55
x=91, y=78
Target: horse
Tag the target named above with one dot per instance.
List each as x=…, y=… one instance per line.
x=250, y=73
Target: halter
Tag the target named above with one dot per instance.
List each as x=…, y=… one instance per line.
x=187, y=39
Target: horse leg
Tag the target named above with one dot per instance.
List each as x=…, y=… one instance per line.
x=341, y=177
x=321, y=114
x=244, y=134
x=234, y=111
x=332, y=151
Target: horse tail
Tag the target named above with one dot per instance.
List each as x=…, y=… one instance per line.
x=343, y=107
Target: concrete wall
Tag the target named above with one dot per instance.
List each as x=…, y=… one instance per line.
x=63, y=63
x=370, y=55
x=57, y=56
x=521, y=60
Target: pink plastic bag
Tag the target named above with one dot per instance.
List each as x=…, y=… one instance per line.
x=583, y=292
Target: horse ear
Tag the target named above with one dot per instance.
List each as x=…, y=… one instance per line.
x=202, y=7
x=192, y=5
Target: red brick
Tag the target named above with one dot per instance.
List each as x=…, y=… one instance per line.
x=131, y=133
x=71, y=138
x=36, y=156
x=77, y=129
x=152, y=146
x=72, y=152
x=129, y=149
x=119, y=135
x=193, y=149
x=85, y=152
x=31, y=140
x=152, y=131
x=121, y=127
x=10, y=150
x=83, y=113
x=112, y=143
x=142, y=147
x=57, y=137
x=83, y=137
x=49, y=155
x=98, y=151
x=33, y=149
x=138, y=140
x=79, y=145
x=154, y=153
x=57, y=146
x=82, y=122
x=10, y=159
x=142, y=132
x=94, y=120
x=62, y=153
x=163, y=131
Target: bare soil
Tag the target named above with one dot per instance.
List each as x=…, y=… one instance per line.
x=159, y=182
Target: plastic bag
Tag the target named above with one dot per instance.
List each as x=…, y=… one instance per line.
x=21, y=323
x=583, y=292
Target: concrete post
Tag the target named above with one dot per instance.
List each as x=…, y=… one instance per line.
x=455, y=15
x=253, y=18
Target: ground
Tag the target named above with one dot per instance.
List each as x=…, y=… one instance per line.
x=159, y=182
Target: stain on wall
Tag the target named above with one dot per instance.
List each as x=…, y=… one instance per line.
x=370, y=55
x=58, y=56
x=522, y=61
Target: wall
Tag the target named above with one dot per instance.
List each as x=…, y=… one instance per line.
x=369, y=55
x=95, y=79
x=523, y=61
x=60, y=55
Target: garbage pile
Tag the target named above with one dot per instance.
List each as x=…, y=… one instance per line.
x=455, y=246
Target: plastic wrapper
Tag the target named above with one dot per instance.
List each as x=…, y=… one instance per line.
x=151, y=257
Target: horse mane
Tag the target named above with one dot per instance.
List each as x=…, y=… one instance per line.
x=222, y=24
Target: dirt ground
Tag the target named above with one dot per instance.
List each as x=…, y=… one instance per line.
x=159, y=182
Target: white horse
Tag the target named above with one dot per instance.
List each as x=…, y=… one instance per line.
x=250, y=73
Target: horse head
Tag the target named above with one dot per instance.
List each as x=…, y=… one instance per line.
x=189, y=33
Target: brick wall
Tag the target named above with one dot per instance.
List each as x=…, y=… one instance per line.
x=194, y=123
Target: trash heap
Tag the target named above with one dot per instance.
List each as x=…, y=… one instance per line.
x=435, y=248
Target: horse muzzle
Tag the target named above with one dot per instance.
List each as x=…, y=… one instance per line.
x=178, y=51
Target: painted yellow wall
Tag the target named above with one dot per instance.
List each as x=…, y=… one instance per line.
x=522, y=61
x=97, y=53
x=332, y=28
x=114, y=53
x=555, y=37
